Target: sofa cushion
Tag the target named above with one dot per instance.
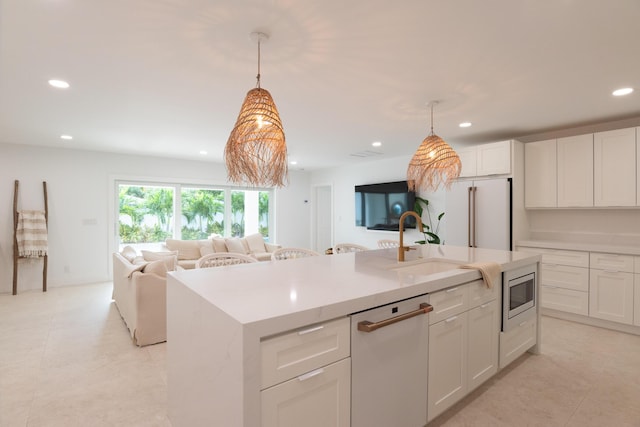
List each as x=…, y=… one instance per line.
x=219, y=244
x=170, y=259
x=255, y=242
x=187, y=249
x=206, y=250
x=129, y=253
x=237, y=246
x=157, y=267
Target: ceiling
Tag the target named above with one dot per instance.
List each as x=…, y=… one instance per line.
x=167, y=77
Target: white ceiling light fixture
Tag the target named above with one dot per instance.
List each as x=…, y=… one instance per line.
x=294, y=162
x=376, y=144
x=434, y=163
x=622, y=91
x=465, y=125
x=256, y=152
x=60, y=84
x=203, y=152
x=67, y=137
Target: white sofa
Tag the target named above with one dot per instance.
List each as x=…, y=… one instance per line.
x=140, y=293
x=189, y=251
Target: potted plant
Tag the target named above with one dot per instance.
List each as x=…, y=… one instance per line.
x=430, y=233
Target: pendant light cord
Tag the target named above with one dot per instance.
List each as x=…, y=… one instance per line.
x=432, y=118
x=258, y=76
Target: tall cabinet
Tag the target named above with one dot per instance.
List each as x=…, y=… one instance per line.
x=575, y=171
x=540, y=174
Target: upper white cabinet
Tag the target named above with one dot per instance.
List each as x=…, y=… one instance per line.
x=540, y=174
x=468, y=159
x=638, y=169
x=614, y=168
x=575, y=171
x=486, y=159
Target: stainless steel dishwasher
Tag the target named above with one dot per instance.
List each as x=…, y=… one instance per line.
x=389, y=366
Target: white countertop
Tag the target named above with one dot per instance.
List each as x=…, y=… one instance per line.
x=587, y=247
x=273, y=296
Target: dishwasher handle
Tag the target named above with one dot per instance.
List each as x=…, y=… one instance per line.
x=366, y=326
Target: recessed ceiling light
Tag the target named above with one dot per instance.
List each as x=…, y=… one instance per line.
x=376, y=144
x=66, y=137
x=623, y=91
x=203, y=152
x=293, y=162
x=60, y=84
x=465, y=124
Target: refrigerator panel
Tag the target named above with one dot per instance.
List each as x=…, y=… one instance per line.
x=457, y=214
x=493, y=214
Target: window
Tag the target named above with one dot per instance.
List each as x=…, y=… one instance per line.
x=149, y=213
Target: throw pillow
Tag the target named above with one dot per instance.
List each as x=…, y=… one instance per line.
x=158, y=267
x=219, y=245
x=129, y=253
x=187, y=249
x=235, y=245
x=255, y=242
x=170, y=259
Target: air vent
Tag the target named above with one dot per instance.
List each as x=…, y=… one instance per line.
x=366, y=153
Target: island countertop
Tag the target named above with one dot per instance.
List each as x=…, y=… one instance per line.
x=270, y=297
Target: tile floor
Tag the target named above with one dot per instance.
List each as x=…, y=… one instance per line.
x=66, y=359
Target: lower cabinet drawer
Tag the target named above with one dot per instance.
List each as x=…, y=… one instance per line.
x=567, y=277
x=318, y=398
x=448, y=302
x=517, y=341
x=297, y=352
x=566, y=300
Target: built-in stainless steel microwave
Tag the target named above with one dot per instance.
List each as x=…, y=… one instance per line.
x=518, y=296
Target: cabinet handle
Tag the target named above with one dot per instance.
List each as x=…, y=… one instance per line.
x=451, y=290
x=522, y=324
x=549, y=265
x=366, y=326
x=308, y=331
x=310, y=374
x=485, y=305
x=611, y=271
x=451, y=319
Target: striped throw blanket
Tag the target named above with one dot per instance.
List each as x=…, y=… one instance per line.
x=31, y=234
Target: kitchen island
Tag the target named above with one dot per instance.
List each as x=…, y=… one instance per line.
x=224, y=323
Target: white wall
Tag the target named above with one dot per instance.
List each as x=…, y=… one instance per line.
x=344, y=179
x=80, y=191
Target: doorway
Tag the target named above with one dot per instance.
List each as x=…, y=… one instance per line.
x=323, y=218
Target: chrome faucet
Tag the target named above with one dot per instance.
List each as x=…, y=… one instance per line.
x=402, y=249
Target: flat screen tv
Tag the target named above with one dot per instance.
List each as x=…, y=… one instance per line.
x=379, y=206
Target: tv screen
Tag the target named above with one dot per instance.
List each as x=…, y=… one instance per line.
x=379, y=206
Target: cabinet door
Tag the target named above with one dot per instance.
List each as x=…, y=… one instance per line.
x=447, y=364
x=614, y=168
x=319, y=398
x=637, y=167
x=468, y=159
x=494, y=158
x=540, y=174
x=611, y=296
x=483, y=333
x=575, y=171
x=567, y=300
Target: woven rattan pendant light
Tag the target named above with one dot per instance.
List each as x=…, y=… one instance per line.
x=434, y=163
x=256, y=152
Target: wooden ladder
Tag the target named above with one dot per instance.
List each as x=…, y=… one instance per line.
x=16, y=253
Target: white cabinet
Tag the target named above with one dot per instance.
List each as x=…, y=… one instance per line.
x=614, y=167
x=611, y=288
x=494, y=158
x=306, y=376
x=564, y=284
x=468, y=159
x=447, y=364
x=637, y=166
x=463, y=344
x=517, y=341
x=575, y=171
x=482, y=361
x=540, y=174
x=486, y=159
